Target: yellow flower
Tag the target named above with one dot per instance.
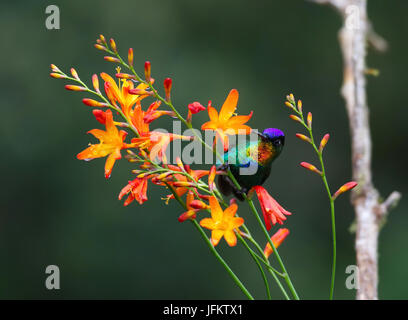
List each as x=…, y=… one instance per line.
x=225, y=122
x=111, y=142
x=222, y=223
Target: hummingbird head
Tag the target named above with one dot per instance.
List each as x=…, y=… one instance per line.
x=274, y=136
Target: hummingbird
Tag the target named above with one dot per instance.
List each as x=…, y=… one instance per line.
x=268, y=146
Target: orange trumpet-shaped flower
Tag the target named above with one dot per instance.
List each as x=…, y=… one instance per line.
x=193, y=206
x=222, y=223
x=271, y=209
x=120, y=94
x=156, y=143
x=225, y=122
x=111, y=142
x=136, y=189
x=277, y=239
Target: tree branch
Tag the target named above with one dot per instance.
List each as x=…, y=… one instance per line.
x=353, y=36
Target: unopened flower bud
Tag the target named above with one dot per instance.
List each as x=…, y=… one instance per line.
x=93, y=103
x=295, y=118
x=57, y=75
x=309, y=120
x=74, y=88
x=147, y=70
x=100, y=116
x=303, y=137
x=324, y=142
x=311, y=167
x=74, y=73
x=167, y=87
x=299, y=106
x=344, y=188
x=130, y=57
x=195, y=107
x=95, y=83
x=111, y=59
x=198, y=204
x=99, y=47
x=113, y=45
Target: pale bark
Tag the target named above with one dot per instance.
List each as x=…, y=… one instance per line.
x=354, y=35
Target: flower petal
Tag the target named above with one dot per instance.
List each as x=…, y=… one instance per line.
x=230, y=237
x=216, y=211
x=229, y=106
x=216, y=236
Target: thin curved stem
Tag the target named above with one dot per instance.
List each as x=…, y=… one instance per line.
x=275, y=251
x=221, y=260
x=254, y=257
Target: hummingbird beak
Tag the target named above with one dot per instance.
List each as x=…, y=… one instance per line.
x=261, y=135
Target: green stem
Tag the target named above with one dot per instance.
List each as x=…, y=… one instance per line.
x=221, y=260
x=275, y=251
x=271, y=270
x=265, y=280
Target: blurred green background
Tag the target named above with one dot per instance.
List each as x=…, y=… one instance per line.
x=57, y=210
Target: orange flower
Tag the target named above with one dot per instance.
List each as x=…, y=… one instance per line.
x=137, y=189
x=111, y=142
x=156, y=143
x=120, y=94
x=152, y=113
x=195, y=174
x=222, y=223
x=271, y=209
x=193, y=206
x=276, y=239
x=225, y=123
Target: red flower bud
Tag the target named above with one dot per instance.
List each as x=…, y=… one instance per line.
x=167, y=87
x=147, y=70
x=195, y=107
x=277, y=239
x=199, y=205
x=130, y=57
x=99, y=115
